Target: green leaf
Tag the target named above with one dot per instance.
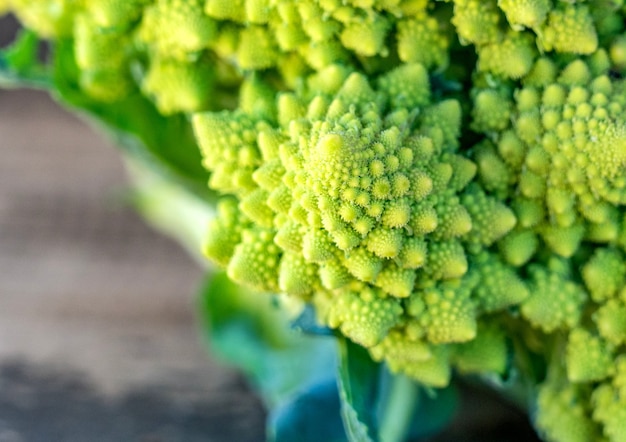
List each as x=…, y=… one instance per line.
x=20, y=65
x=398, y=407
x=359, y=379
x=165, y=143
x=312, y=415
x=419, y=411
x=250, y=331
x=380, y=406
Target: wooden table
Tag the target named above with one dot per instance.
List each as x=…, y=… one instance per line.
x=98, y=340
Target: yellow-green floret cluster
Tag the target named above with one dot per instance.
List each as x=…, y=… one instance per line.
x=189, y=55
x=352, y=196
x=442, y=181
x=559, y=151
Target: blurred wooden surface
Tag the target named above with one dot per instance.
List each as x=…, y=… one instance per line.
x=98, y=340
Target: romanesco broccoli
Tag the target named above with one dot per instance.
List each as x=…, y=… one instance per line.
x=444, y=181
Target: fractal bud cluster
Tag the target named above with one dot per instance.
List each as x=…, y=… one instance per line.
x=444, y=182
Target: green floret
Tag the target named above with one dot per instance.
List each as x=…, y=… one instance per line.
x=407, y=86
x=476, y=21
x=369, y=183
x=619, y=377
x=224, y=232
x=258, y=11
x=525, y=13
x=228, y=144
x=563, y=414
x=610, y=410
x=101, y=55
x=498, y=284
x=296, y=275
x=555, y=301
x=617, y=52
x=446, y=313
x=610, y=319
x=491, y=111
x=317, y=246
x=257, y=99
x=385, y=242
x=256, y=49
x=421, y=40
x=177, y=27
x=512, y=57
x=495, y=174
x=607, y=231
x=428, y=365
x=404, y=351
x=226, y=9
x=334, y=274
x=588, y=357
x=396, y=281
x=178, y=86
x=433, y=372
x=269, y=175
x=254, y=206
x=363, y=264
x=442, y=122
x=563, y=241
x=604, y=274
x=453, y=218
x=116, y=13
x=255, y=260
x=570, y=29
x=364, y=316
x=543, y=73
x=446, y=260
x=413, y=254
x=315, y=24
x=487, y=354
x=97, y=48
x=609, y=402
x=366, y=36
x=565, y=155
x=49, y=18
x=286, y=34
x=290, y=236
x=400, y=350
x=491, y=219
x=519, y=246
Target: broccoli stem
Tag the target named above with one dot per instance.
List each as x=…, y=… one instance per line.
x=403, y=399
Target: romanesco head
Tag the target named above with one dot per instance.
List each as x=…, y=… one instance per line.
x=360, y=188
x=444, y=181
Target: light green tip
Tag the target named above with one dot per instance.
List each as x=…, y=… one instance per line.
x=587, y=357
